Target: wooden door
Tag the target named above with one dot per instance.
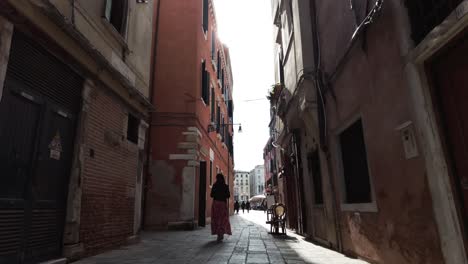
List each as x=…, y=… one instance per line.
x=450, y=71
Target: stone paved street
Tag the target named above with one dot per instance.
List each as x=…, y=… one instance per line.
x=250, y=243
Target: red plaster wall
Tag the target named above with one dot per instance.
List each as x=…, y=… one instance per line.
x=181, y=47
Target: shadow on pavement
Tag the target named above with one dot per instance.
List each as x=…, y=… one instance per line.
x=211, y=244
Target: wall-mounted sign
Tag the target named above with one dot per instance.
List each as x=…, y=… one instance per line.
x=55, y=147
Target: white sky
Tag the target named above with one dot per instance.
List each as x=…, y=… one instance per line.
x=245, y=26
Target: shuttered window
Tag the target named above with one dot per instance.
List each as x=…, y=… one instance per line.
x=218, y=119
x=205, y=83
x=218, y=73
x=213, y=46
x=205, y=16
x=212, y=104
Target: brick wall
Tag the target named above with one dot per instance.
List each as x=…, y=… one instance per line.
x=109, y=176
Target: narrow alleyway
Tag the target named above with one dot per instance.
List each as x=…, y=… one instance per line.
x=250, y=243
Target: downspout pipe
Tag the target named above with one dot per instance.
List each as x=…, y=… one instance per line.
x=151, y=94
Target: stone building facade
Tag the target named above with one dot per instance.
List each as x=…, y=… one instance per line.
x=257, y=180
x=241, y=186
x=369, y=95
x=74, y=97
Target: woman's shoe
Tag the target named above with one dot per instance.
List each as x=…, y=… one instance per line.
x=220, y=238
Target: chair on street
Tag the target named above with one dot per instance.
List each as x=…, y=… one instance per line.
x=278, y=219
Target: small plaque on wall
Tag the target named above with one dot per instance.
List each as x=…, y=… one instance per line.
x=408, y=139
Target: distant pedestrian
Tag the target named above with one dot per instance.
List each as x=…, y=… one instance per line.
x=219, y=210
x=236, y=207
x=243, y=206
x=247, y=206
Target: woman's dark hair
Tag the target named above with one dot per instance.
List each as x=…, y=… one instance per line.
x=220, y=178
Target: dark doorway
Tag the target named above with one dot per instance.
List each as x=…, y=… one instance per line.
x=313, y=162
x=450, y=70
x=298, y=168
x=202, y=195
x=37, y=116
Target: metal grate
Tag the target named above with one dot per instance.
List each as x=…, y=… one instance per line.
x=11, y=231
x=44, y=238
x=427, y=14
x=34, y=67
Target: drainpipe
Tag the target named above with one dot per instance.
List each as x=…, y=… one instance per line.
x=151, y=93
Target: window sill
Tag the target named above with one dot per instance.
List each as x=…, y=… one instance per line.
x=364, y=207
x=214, y=65
x=117, y=36
x=204, y=33
x=219, y=83
x=203, y=102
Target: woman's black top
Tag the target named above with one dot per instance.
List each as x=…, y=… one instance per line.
x=220, y=192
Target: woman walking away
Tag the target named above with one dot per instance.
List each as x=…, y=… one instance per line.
x=236, y=207
x=243, y=206
x=247, y=206
x=219, y=210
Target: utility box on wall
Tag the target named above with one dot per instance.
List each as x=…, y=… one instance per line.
x=408, y=139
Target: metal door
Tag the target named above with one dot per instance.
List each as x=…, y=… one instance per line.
x=451, y=72
x=37, y=117
x=19, y=118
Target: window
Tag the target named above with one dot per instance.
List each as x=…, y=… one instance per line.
x=205, y=16
x=223, y=128
x=213, y=46
x=133, y=124
x=287, y=26
x=222, y=81
x=355, y=168
x=116, y=14
x=230, y=108
x=212, y=104
x=218, y=59
x=205, y=83
x=218, y=119
x=211, y=172
x=313, y=163
x=425, y=15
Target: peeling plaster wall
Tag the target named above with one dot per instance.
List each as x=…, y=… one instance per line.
x=372, y=87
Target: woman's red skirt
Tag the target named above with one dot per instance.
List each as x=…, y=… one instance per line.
x=220, y=219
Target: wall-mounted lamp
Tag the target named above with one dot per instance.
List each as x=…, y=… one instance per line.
x=142, y=1
x=212, y=127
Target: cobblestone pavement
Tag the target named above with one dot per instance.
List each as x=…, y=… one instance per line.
x=250, y=243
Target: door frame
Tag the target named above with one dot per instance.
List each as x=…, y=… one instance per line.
x=431, y=136
x=202, y=194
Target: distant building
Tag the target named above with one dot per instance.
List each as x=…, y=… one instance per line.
x=241, y=186
x=257, y=180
